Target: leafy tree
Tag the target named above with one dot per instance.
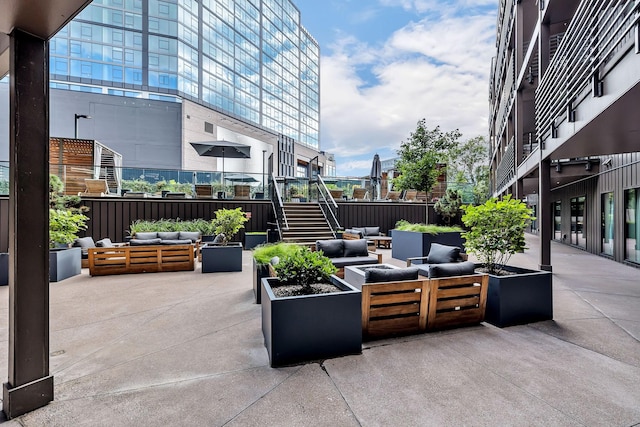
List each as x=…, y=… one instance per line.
x=420, y=155
x=469, y=164
x=228, y=222
x=448, y=207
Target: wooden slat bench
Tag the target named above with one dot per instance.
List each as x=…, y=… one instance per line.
x=140, y=259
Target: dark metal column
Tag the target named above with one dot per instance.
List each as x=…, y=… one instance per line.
x=545, y=214
x=30, y=386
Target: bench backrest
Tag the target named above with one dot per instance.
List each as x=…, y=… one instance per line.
x=140, y=259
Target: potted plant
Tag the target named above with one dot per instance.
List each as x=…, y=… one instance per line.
x=224, y=255
x=496, y=231
x=254, y=238
x=66, y=220
x=308, y=313
x=262, y=256
x=414, y=240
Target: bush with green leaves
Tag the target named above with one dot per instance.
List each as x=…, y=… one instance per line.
x=228, y=222
x=496, y=231
x=404, y=225
x=304, y=268
x=448, y=206
x=265, y=253
x=66, y=218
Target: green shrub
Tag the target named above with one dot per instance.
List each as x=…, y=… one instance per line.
x=496, y=231
x=228, y=222
x=404, y=225
x=264, y=253
x=305, y=268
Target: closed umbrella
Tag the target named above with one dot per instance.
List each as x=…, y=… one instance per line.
x=376, y=176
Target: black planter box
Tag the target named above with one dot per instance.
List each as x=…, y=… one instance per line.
x=217, y=258
x=311, y=327
x=4, y=269
x=259, y=272
x=525, y=297
x=64, y=263
x=253, y=240
x=409, y=244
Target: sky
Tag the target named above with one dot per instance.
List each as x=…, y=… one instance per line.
x=386, y=64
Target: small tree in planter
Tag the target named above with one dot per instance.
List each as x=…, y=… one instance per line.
x=300, y=326
x=229, y=222
x=448, y=207
x=222, y=256
x=515, y=295
x=262, y=256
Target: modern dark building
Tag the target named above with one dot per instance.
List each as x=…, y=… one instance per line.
x=565, y=121
x=147, y=77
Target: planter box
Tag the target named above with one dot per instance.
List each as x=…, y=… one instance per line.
x=409, y=244
x=218, y=258
x=525, y=297
x=311, y=327
x=253, y=240
x=259, y=273
x=64, y=263
x=4, y=269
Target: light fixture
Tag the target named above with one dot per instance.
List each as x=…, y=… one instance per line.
x=77, y=117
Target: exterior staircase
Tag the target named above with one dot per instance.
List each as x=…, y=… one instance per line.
x=306, y=224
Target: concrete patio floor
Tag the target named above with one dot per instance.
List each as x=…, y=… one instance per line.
x=187, y=349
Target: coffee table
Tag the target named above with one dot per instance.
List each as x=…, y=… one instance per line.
x=380, y=241
x=354, y=274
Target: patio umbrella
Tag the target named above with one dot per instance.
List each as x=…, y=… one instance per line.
x=222, y=149
x=241, y=177
x=376, y=176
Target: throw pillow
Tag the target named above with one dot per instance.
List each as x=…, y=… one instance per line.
x=191, y=235
x=451, y=269
x=439, y=254
x=355, y=248
x=372, y=231
x=105, y=243
x=332, y=248
x=84, y=242
x=378, y=275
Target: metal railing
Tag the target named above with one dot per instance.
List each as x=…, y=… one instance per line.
x=328, y=205
x=278, y=205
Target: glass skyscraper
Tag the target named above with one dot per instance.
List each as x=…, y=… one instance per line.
x=250, y=59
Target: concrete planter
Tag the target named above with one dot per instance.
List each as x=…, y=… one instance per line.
x=259, y=272
x=525, y=297
x=252, y=240
x=409, y=244
x=311, y=327
x=64, y=263
x=218, y=258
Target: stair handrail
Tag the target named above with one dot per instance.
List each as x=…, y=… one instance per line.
x=278, y=205
x=328, y=206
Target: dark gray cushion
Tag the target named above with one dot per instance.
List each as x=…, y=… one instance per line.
x=84, y=242
x=451, y=269
x=146, y=235
x=105, y=243
x=362, y=230
x=219, y=238
x=439, y=254
x=377, y=275
x=331, y=248
x=353, y=260
x=355, y=248
x=169, y=235
x=372, y=231
x=142, y=242
x=176, y=242
x=191, y=235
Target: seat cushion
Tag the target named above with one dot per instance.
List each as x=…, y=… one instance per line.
x=377, y=275
x=439, y=254
x=355, y=248
x=105, y=243
x=176, y=242
x=146, y=235
x=191, y=235
x=451, y=269
x=353, y=260
x=372, y=231
x=332, y=248
x=169, y=235
x=142, y=242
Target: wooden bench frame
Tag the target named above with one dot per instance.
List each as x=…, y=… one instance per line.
x=140, y=259
x=413, y=306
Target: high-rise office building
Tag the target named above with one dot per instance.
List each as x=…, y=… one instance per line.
x=154, y=75
x=564, y=128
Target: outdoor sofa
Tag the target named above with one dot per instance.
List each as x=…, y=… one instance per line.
x=347, y=252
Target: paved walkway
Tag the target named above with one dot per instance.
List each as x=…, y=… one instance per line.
x=186, y=349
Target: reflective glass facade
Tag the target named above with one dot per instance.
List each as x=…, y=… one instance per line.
x=247, y=58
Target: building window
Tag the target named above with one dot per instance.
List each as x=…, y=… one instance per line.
x=557, y=220
x=208, y=127
x=578, y=236
x=608, y=222
x=631, y=220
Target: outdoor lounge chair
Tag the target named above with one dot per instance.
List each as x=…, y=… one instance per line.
x=360, y=194
x=204, y=191
x=411, y=196
x=241, y=192
x=96, y=188
x=393, y=196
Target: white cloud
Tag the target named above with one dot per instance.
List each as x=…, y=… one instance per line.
x=433, y=69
